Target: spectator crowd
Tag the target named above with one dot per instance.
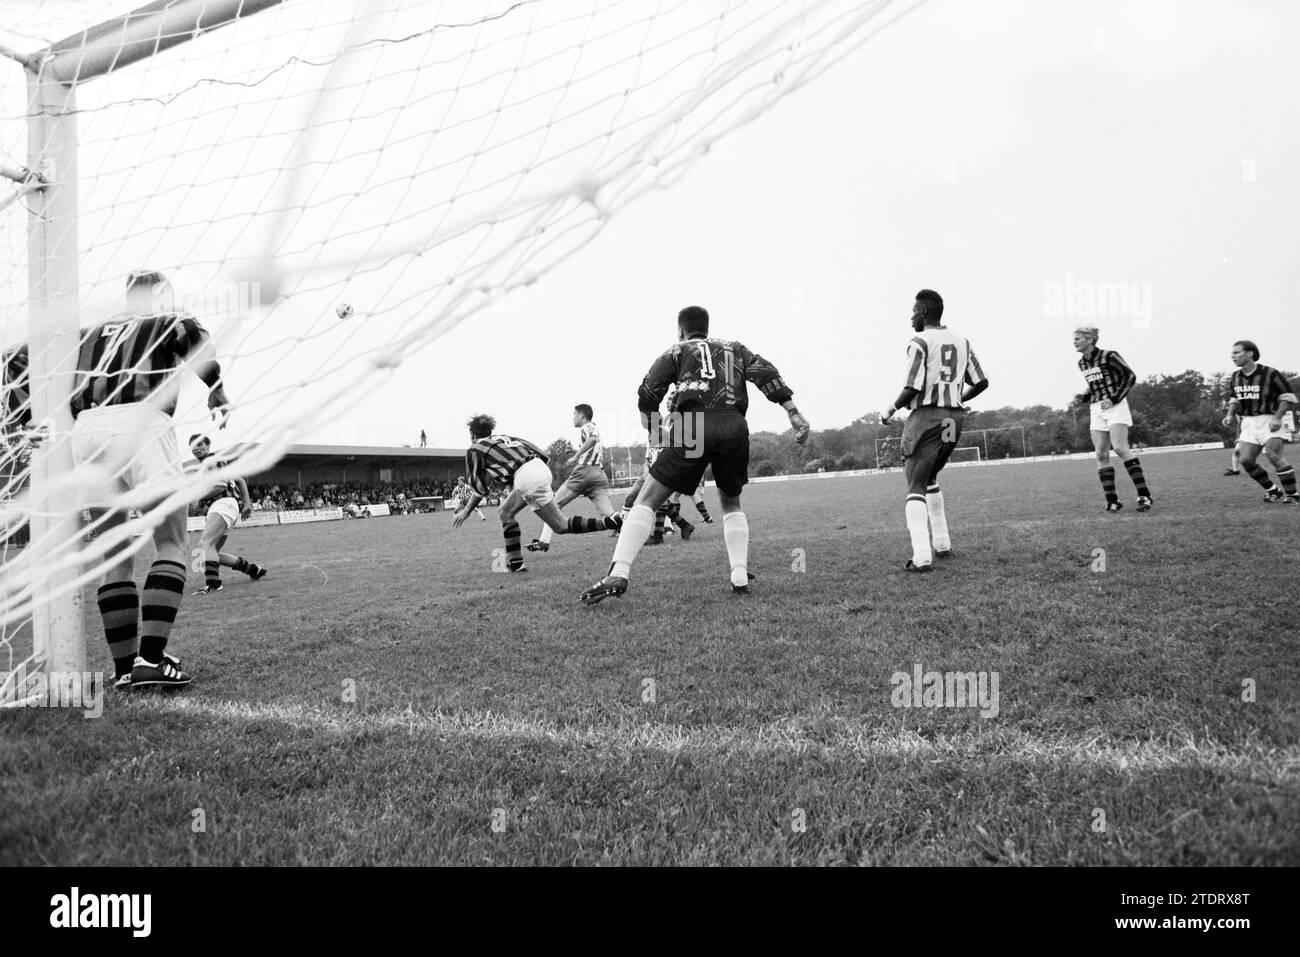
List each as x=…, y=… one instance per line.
x=398, y=496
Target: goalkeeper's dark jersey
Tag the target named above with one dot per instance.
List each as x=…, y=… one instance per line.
x=710, y=376
x=129, y=357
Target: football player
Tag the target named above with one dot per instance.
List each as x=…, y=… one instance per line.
x=1109, y=381
x=1263, y=398
x=228, y=503
x=943, y=375
x=125, y=391
x=712, y=399
x=461, y=494
x=494, y=459
x=587, y=478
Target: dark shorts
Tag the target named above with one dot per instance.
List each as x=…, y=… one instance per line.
x=722, y=441
x=930, y=435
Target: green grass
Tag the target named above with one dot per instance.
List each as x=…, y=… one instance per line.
x=1119, y=691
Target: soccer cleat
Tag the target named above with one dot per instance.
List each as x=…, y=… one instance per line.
x=208, y=590
x=1114, y=506
x=537, y=545
x=614, y=522
x=708, y=519
x=122, y=682
x=165, y=674
x=1144, y=503
x=517, y=569
x=258, y=575
x=742, y=589
x=687, y=530
x=1274, y=495
x=611, y=586
x=945, y=553
x=911, y=566
x=1289, y=500
x=1232, y=472
x=655, y=539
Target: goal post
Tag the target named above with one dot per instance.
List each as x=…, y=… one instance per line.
x=283, y=159
x=53, y=325
x=58, y=637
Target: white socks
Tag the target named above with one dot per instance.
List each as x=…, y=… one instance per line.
x=918, y=526
x=547, y=533
x=938, y=520
x=638, y=525
x=735, y=532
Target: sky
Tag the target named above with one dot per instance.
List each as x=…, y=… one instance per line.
x=1040, y=164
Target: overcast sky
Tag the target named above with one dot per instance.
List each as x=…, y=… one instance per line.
x=1029, y=160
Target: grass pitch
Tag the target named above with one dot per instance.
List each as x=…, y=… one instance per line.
x=385, y=698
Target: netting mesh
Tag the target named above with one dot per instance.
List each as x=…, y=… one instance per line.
x=414, y=160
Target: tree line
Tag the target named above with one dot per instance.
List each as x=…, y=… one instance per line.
x=1167, y=410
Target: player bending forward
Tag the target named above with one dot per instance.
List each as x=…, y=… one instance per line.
x=587, y=478
x=124, y=395
x=231, y=503
x=1264, y=400
x=461, y=494
x=710, y=375
x=1109, y=380
x=505, y=460
x=940, y=364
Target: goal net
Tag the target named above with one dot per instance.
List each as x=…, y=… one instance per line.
x=328, y=188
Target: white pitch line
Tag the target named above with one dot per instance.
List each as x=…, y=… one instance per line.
x=847, y=738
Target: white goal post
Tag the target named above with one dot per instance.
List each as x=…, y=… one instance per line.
x=330, y=188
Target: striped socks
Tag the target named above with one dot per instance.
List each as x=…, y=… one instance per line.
x=119, y=608
x=1107, y=475
x=1259, y=475
x=212, y=574
x=1287, y=478
x=240, y=564
x=514, y=555
x=1135, y=473
x=163, y=590
x=579, y=525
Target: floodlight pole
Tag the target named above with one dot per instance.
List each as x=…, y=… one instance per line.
x=54, y=320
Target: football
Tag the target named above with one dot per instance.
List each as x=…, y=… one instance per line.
x=344, y=310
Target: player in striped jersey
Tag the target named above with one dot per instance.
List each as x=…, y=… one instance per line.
x=503, y=460
x=588, y=475
x=1110, y=380
x=461, y=494
x=228, y=502
x=708, y=428
x=943, y=375
x=124, y=393
x=1264, y=400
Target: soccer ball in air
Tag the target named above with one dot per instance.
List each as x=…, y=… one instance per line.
x=344, y=310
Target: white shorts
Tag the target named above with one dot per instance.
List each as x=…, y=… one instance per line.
x=1117, y=414
x=135, y=442
x=533, y=481
x=227, y=508
x=1254, y=429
